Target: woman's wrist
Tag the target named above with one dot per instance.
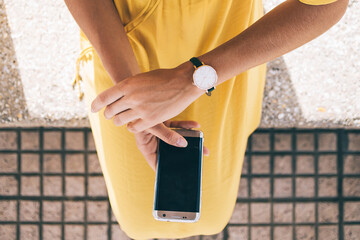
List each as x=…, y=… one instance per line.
x=113, y=62
x=185, y=71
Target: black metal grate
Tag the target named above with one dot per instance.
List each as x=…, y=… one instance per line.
x=341, y=151
x=291, y=195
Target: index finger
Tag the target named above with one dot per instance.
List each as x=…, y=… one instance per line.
x=107, y=97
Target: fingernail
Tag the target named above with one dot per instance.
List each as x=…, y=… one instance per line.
x=181, y=142
x=92, y=106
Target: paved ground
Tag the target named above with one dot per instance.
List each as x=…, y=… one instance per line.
x=317, y=85
x=296, y=184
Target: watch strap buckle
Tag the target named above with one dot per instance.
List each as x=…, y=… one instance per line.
x=208, y=92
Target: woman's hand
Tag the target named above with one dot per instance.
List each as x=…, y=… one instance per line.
x=147, y=142
x=149, y=98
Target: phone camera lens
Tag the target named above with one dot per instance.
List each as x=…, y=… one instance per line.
x=164, y=215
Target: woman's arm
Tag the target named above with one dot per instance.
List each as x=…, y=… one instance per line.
x=102, y=25
x=288, y=26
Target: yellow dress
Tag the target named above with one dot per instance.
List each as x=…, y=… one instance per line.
x=164, y=34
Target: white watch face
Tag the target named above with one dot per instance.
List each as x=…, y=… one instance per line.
x=205, y=77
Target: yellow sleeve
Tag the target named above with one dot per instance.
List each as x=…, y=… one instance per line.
x=317, y=2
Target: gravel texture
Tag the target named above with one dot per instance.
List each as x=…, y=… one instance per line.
x=316, y=85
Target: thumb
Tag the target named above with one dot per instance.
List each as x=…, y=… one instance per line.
x=167, y=135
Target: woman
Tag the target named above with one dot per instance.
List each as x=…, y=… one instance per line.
x=138, y=83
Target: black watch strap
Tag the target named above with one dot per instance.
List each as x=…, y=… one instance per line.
x=196, y=62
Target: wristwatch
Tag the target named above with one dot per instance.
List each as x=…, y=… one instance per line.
x=204, y=77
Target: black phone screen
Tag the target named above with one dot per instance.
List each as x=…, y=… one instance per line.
x=179, y=176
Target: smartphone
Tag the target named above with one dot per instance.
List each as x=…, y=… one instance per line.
x=177, y=193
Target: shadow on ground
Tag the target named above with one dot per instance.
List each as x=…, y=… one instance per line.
x=12, y=99
x=280, y=105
